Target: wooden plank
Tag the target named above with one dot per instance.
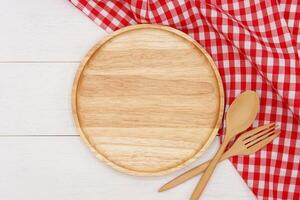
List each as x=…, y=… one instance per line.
x=52, y=30
x=36, y=98
x=63, y=168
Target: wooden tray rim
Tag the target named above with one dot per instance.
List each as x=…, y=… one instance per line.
x=78, y=76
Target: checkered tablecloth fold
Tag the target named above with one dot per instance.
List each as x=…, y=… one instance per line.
x=256, y=46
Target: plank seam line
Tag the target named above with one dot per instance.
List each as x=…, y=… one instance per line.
x=43, y=61
x=55, y=135
x=39, y=135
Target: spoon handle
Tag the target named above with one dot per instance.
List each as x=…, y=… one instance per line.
x=208, y=172
x=192, y=173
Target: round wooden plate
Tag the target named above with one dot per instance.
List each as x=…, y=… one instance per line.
x=148, y=100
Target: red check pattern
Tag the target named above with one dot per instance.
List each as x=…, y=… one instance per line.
x=256, y=45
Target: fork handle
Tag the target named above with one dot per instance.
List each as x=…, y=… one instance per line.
x=191, y=173
x=208, y=172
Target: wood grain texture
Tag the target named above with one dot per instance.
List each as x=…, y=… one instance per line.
x=148, y=100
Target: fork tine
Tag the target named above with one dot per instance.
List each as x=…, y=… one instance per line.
x=258, y=134
x=262, y=143
x=257, y=140
x=254, y=131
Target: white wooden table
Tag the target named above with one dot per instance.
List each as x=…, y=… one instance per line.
x=41, y=153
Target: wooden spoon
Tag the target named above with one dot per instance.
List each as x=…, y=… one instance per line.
x=239, y=117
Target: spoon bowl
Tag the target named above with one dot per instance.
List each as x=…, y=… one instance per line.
x=241, y=113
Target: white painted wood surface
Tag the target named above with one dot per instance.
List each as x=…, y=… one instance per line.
x=42, y=156
x=36, y=98
x=48, y=30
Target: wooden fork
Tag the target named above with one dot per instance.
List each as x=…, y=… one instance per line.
x=247, y=143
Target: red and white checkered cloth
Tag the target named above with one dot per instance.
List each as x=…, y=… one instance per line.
x=256, y=46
